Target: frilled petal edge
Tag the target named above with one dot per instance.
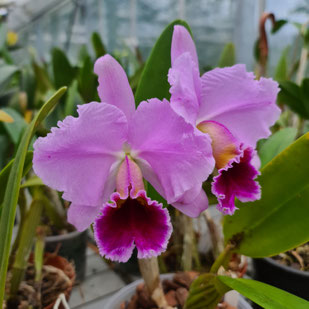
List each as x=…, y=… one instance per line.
x=236, y=180
x=247, y=107
x=128, y=223
x=78, y=156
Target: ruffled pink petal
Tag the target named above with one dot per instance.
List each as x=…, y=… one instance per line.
x=177, y=157
x=136, y=222
x=82, y=216
x=114, y=86
x=236, y=180
x=182, y=42
x=247, y=107
x=78, y=157
x=192, y=207
x=184, y=78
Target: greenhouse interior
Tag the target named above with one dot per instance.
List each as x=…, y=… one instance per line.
x=154, y=154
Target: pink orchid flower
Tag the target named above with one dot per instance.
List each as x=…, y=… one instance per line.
x=109, y=146
x=233, y=108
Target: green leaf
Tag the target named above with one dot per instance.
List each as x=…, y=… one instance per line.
x=13, y=186
x=87, y=80
x=16, y=128
x=28, y=85
x=6, y=74
x=304, y=93
x=31, y=222
x=64, y=73
x=134, y=79
x=227, y=58
x=41, y=77
x=72, y=100
x=4, y=148
x=98, y=45
x=5, y=172
x=279, y=220
x=82, y=54
x=205, y=292
x=281, y=71
x=290, y=95
x=153, y=82
x=33, y=181
x=278, y=25
x=276, y=143
x=265, y=295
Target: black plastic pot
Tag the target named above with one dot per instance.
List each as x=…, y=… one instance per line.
x=284, y=277
x=72, y=247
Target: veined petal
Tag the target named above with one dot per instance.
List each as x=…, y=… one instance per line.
x=182, y=42
x=192, y=207
x=78, y=157
x=179, y=158
x=114, y=87
x=236, y=180
x=136, y=222
x=245, y=106
x=225, y=147
x=184, y=78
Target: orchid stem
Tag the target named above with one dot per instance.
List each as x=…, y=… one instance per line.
x=149, y=269
x=222, y=258
x=187, y=243
x=216, y=241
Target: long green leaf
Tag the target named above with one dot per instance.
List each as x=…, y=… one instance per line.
x=64, y=73
x=5, y=172
x=276, y=143
x=304, y=93
x=13, y=186
x=16, y=128
x=32, y=182
x=87, y=80
x=265, y=295
x=279, y=220
x=98, y=45
x=291, y=96
x=32, y=221
x=72, y=100
x=6, y=73
x=153, y=82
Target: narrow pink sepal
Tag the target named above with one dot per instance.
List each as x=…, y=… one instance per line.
x=114, y=87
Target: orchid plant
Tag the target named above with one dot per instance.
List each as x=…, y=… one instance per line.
x=179, y=129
